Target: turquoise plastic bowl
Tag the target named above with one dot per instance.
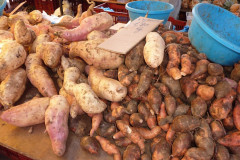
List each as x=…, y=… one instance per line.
x=216, y=32
x=157, y=10
x=2, y=6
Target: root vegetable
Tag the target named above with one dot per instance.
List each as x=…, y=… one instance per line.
x=90, y=144
x=228, y=122
x=153, y=51
x=181, y=109
x=222, y=153
x=50, y=52
x=110, y=148
x=196, y=153
x=56, y=121
x=96, y=120
x=106, y=129
x=162, y=150
x=154, y=99
x=201, y=69
x=173, y=85
x=186, y=65
x=234, y=157
x=38, y=76
x=26, y=114
x=230, y=140
x=35, y=17
x=235, y=74
x=73, y=62
x=144, y=83
x=215, y=69
x=149, y=134
x=132, y=152
x=134, y=59
x=170, y=136
x=198, y=107
x=111, y=73
x=205, y=92
x=236, y=116
x=5, y=36
x=145, y=157
x=188, y=86
x=118, y=135
x=132, y=106
x=123, y=142
x=92, y=55
x=22, y=34
x=169, y=38
x=185, y=123
x=181, y=144
x=162, y=118
x=12, y=56
x=125, y=78
x=162, y=88
x=211, y=80
x=218, y=130
x=40, y=39
x=87, y=25
x=106, y=88
x=137, y=120
x=132, y=134
x=119, y=112
x=12, y=88
x=222, y=88
x=4, y=23
x=170, y=103
x=96, y=35
x=174, y=61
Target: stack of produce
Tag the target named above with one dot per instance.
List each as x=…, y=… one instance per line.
x=162, y=100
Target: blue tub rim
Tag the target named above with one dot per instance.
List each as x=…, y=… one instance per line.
x=150, y=12
x=210, y=31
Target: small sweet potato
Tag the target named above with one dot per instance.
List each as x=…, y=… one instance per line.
x=196, y=153
x=123, y=142
x=149, y=134
x=5, y=36
x=235, y=74
x=119, y=111
x=162, y=118
x=162, y=150
x=132, y=152
x=90, y=144
x=188, y=86
x=27, y=114
x=162, y=88
x=201, y=68
x=185, y=123
x=170, y=104
x=181, y=144
x=35, y=17
x=205, y=92
x=230, y=140
x=236, y=116
x=181, y=110
x=96, y=120
x=211, y=80
x=73, y=62
x=132, y=106
x=198, y=107
x=125, y=77
x=186, y=64
x=56, y=122
x=218, y=130
x=215, y=69
x=137, y=120
x=222, y=153
x=145, y=157
x=40, y=39
x=4, y=23
x=222, y=88
x=220, y=108
x=173, y=85
x=155, y=99
x=228, y=122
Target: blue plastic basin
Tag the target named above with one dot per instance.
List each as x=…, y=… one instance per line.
x=157, y=10
x=216, y=32
x=2, y=6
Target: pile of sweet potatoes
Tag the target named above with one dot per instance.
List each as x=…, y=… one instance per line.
x=163, y=100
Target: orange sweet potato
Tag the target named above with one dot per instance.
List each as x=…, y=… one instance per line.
x=205, y=92
x=188, y=86
x=230, y=140
x=198, y=107
x=222, y=153
x=186, y=65
x=215, y=69
x=132, y=152
x=170, y=104
x=162, y=150
x=154, y=99
x=218, y=130
x=185, y=123
x=181, y=144
x=201, y=68
x=236, y=116
x=149, y=134
x=173, y=85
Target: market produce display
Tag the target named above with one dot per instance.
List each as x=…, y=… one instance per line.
x=162, y=100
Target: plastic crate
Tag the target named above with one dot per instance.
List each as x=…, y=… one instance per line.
x=12, y=155
x=177, y=23
x=119, y=13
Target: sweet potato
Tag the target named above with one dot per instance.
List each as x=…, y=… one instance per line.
x=22, y=34
x=228, y=122
x=96, y=35
x=4, y=23
x=40, y=39
x=162, y=150
x=39, y=76
x=27, y=114
x=185, y=64
x=110, y=148
x=230, y=140
x=35, y=17
x=235, y=74
x=132, y=134
x=73, y=62
x=106, y=129
x=87, y=25
x=137, y=120
x=170, y=135
x=134, y=59
x=215, y=69
x=96, y=120
x=181, y=144
x=173, y=85
x=196, y=153
x=220, y=108
x=153, y=51
x=90, y=144
x=155, y=99
x=144, y=83
x=149, y=134
x=145, y=157
x=222, y=153
x=198, y=107
x=106, y=88
x=236, y=116
x=211, y=80
x=12, y=56
x=123, y=142
x=174, y=61
x=162, y=88
x=111, y=73
x=162, y=118
x=56, y=121
x=50, y=52
x=169, y=38
x=125, y=77
x=92, y=55
x=119, y=111
x=12, y=88
x=5, y=36
x=181, y=110
x=185, y=123
x=205, y=92
x=201, y=69
x=188, y=86
x=218, y=130
x=132, y=106
x=170, y=103
x=234, y=157
x=222, y=88
x=132, y=152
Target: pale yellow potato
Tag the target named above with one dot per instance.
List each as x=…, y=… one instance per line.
x=27, y=114
x=92, y=55
x=106, y=88
x=12, y=88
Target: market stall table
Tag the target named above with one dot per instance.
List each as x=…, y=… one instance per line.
x=37, y=145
